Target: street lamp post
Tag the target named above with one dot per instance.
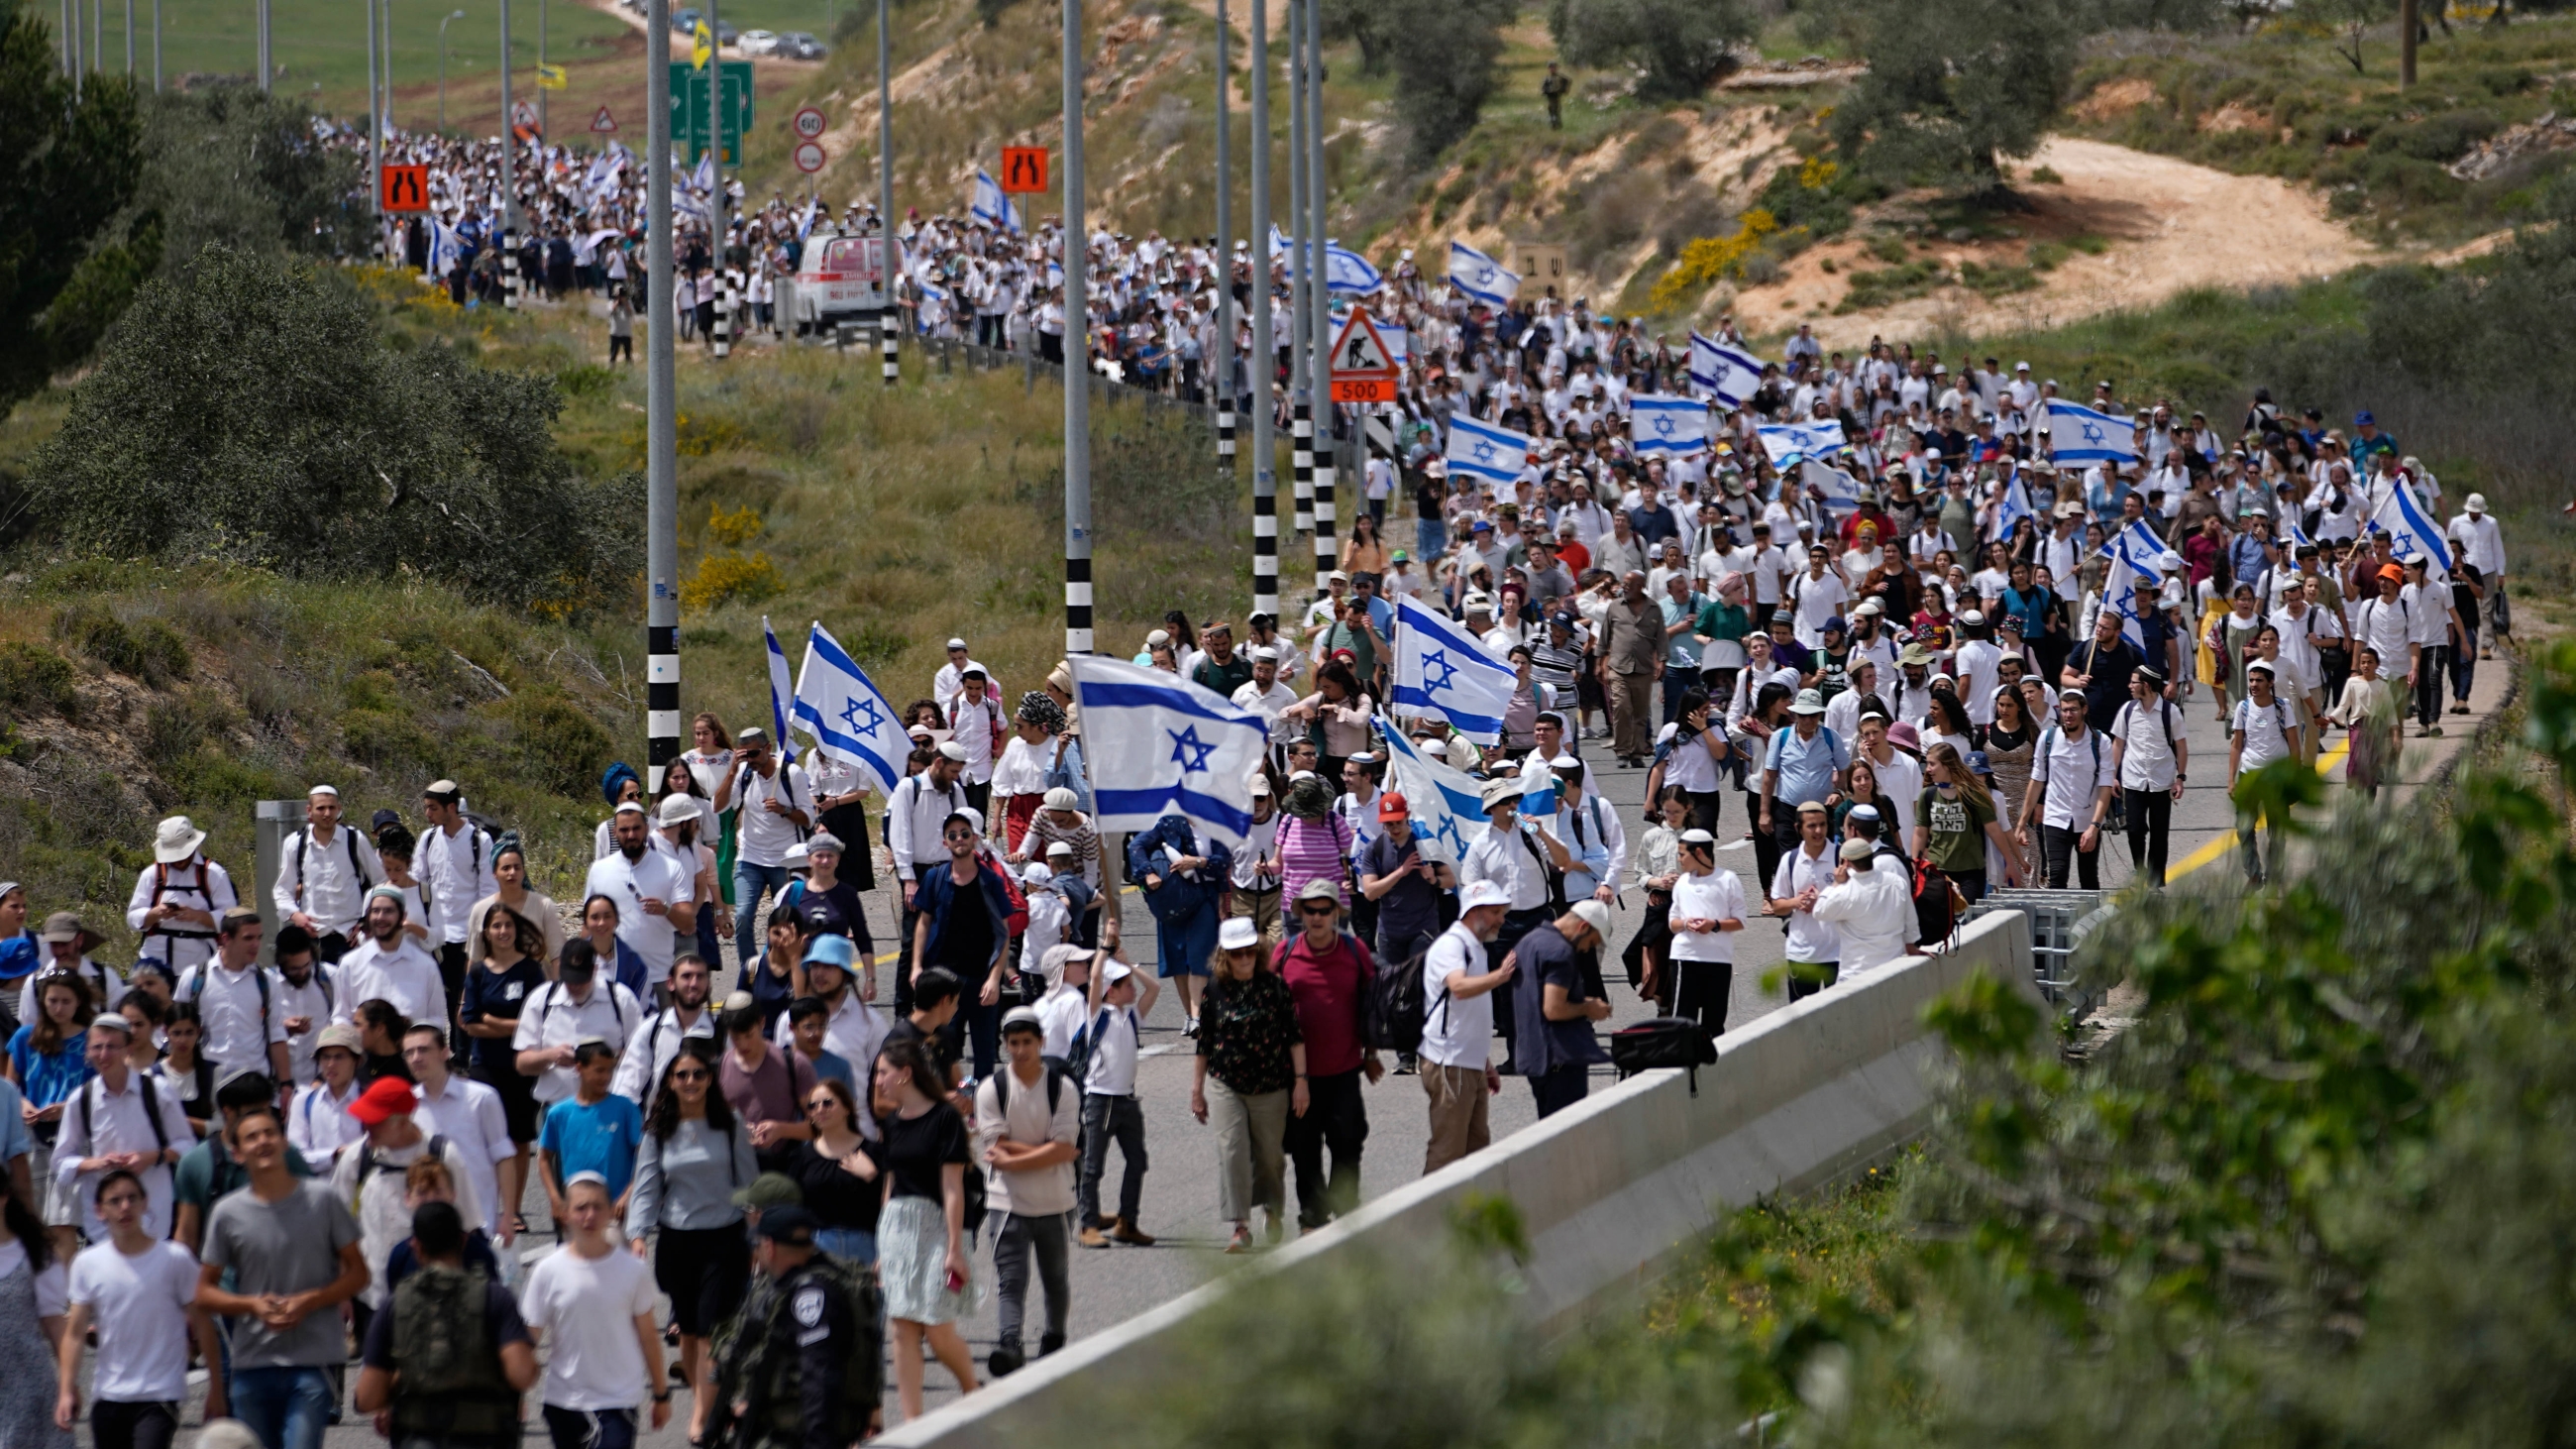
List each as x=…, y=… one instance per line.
x=1077, y=353
x=442, y=68
x=1263, y=362
x=661, y=423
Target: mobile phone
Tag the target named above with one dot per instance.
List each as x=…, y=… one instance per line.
x=956, y=1281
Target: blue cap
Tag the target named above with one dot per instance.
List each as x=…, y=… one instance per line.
x=2365, y=419
x=1977, y=763
x=830, y=951
x=1835, y=625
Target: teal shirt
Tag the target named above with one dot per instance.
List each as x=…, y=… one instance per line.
x=599, y=1137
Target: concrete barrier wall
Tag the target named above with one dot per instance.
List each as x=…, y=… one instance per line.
x=1608, y=1191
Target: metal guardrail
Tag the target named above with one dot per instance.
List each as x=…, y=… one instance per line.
x=2059, y=922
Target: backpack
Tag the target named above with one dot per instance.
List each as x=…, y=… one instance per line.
x=1937, y=903
x=1054, y=1088
x=449, y=1381
x=369, y=1168
x=1394, y=1009
x=192, y=987
x=357, y=872
x=1016, y=919
x=752, y=1346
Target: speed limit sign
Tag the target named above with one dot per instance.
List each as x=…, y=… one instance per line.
x=809, y=156
x=809, y=123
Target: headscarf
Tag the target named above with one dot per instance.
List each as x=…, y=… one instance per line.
x=1040, y=709
x=614, y=779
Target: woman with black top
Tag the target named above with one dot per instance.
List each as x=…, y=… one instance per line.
x=508, y=968
x=693, y=1159
x=191, y=1077
x=381, y=1025
x=778, y=977
x=921, y=1252
x=838, y=1170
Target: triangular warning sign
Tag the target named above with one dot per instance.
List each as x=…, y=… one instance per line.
x=603, y=123
x=1359, y=351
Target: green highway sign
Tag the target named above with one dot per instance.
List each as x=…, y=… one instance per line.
x=689, y=108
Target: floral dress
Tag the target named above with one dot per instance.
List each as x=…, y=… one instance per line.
x=1245, y=1031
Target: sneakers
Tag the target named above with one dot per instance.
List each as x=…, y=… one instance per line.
x=1004, y=1361
x=1190, y=1027
x=2428, y=732
x=1240, y=1242
x=1127, y=1232
x=2460, y=708
x=1092, y=1237
x=1404, y=1064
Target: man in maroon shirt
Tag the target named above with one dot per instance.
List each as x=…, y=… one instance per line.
x=1328, y=973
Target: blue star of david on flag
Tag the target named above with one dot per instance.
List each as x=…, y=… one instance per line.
x=1437, y=671
x=1446, y=804
x=862, y=716
x=1483, y=450
x=1662, y=424
x=2078, y=434
x=1443, y=671
x=840, y=708
x=1189, y=752
x=1480, y=276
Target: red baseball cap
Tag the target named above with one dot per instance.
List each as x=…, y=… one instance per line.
x=385, y=1097
x=1391, y=806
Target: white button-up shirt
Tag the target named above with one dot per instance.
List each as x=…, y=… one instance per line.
x=551, y=1017
x=200, y=885
x=1456, y=1032
x=640, y=1069
x=853, y=1032
x=98, y=1122
x=313, y=876
x=455, y=872
x=1509, y=859
x=1873, y=913
x=1810, y=940
x=405, y=976
x=229, y=1012
x=765, y=838
x=469, y=1114
x=318, y=1125
x=913, y=818
x=2066, y=765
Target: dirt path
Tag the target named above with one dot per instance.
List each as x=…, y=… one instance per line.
x=2171, y=225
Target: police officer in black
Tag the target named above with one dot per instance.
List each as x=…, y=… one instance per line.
x=809, y=1377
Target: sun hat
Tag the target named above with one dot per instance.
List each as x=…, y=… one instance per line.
x=1809, y=702
x=1237, y=933
x=678, y=810
x=176, y=840
x=1480, y=893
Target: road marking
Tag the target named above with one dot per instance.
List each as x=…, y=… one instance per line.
x=2224, y=841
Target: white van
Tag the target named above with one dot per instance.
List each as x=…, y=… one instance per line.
x=841, y=278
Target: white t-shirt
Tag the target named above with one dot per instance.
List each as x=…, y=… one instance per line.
x=2266, y=729
x=2148, y=761
x=587, y=1308
x=50, y=1289
x=1117, y=1034
x=659, y=875
x=1810, y=940
x=1719, y=896
x=1456, y=1032
x=140, y=1305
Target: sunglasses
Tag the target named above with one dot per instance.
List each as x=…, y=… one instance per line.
x=819, y=1103
x=688, y=1076
x=1319, y=908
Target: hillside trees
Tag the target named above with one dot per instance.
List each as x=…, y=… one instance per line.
x=1953, y=90
x=67, y=168
x=1444, y=53
x=247, y=410
x=1680, y=45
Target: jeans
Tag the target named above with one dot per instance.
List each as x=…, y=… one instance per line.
x=1430, y=538
x=850, y=1245
x=591, y=1428
x=1014, y=1238
x=2150, y=822
x=1105, y=1119
x=749, y=925
x=983, y=1029
x=285, y=1407
x=2464, y=660
x=2056, y=843
x=1336, y=1121
x=2267, y=863
x=1562, y=1088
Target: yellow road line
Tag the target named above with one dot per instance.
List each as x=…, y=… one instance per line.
x=2224, y=841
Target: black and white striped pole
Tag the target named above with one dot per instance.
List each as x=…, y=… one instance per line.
x=889, y=322
x=1301, y=359
x=510, y=270
x=1220, y=358
x=1262, y=364
x=661, y=422
x=722, y=336
x=1320, y=292
x=1077, y=352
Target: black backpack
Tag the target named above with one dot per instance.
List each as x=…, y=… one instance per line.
x=1664, y=1041
x=1394, y=1007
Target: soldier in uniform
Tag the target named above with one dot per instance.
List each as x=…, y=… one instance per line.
x=805, y=1352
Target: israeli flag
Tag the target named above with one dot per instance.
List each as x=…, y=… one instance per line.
x=1447, y=805
x=2136, y=543
x=1482, y=450
x=2120, y=596
x=1660, y=424
x=1788, y=442
x=1840, y=489
x=1161, y=745
x=1443, y=671
x=782, y=691
x=2402, y=518
x=2078, y=434
x=2014, y=508
x=848, y=717
x=992, y=205
x=1480, y=276
x=1730, y=374
x=2299, y=536
x=805, y=219
x=1349, y=273
x=1278, y=243
x=1399, y=342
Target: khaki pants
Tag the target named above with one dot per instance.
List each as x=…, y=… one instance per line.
x=1251, y=1133
x=1632, y=715
x=1458, y=1119
x=1261, y=906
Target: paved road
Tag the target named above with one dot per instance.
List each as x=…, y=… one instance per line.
x=1112, y=1285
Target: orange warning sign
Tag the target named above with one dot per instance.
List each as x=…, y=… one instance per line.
x=406, y=188
x=1024, y=168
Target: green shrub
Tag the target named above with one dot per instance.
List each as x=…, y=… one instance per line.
x=34, y=680
x=559, y=746
x=146, y=649
x=384, y=739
